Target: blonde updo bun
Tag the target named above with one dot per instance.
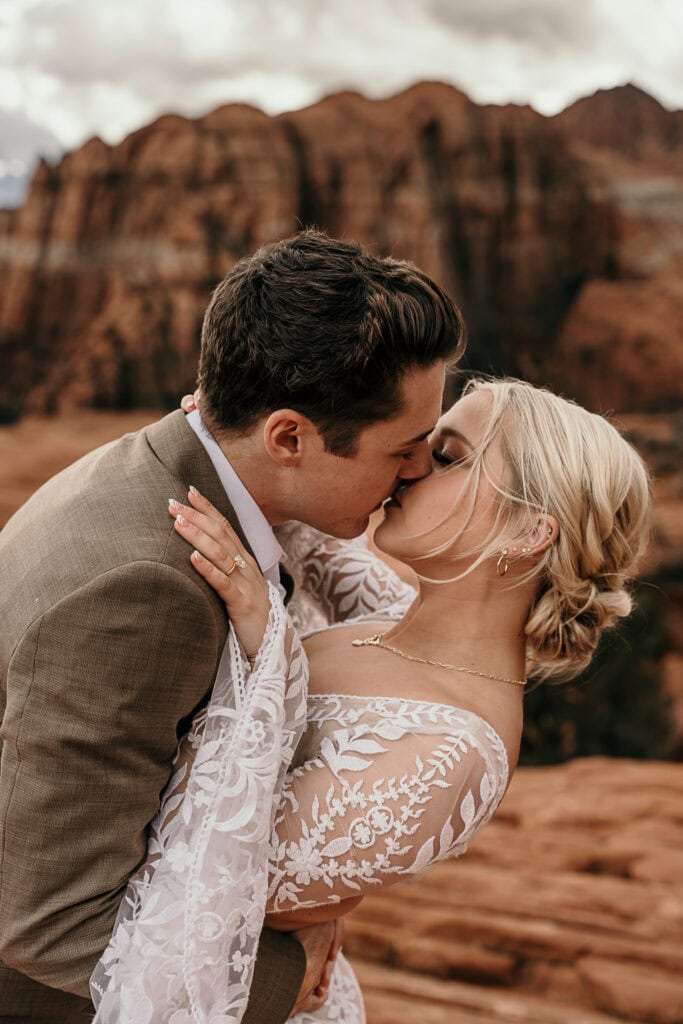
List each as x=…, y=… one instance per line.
x=574, y=465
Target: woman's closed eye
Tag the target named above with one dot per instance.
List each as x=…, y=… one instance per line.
x=442, y=459
x=449, y=460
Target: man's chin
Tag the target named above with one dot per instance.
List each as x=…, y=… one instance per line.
x=350, y=528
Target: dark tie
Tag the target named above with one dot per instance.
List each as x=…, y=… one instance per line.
x=287, y=582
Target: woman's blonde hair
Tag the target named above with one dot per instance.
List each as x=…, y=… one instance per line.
x=564, y=461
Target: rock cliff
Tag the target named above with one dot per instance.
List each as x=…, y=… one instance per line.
x=628, y=121
x=567, y=907
x=547, y=242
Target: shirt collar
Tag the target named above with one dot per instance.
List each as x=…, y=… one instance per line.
x=257, y=529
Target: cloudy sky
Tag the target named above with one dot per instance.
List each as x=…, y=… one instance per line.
x=70, y=69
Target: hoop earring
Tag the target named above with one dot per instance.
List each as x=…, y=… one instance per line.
x=502, y=565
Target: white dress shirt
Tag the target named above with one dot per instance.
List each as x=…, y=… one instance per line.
x=257, y=529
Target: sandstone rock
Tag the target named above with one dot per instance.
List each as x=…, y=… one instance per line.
x=628, y=121
x=616, y=329
x=582, y=943
x=652, y=996
x=111, y=260
x=395, y=997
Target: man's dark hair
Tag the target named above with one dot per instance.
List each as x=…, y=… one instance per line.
x=321, y=326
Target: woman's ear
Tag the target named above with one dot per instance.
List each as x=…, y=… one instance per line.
x=542, y=536
x=285, y=434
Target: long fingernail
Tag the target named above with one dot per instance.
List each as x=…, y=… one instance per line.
x=193, y=490
x=174, y=505
x=181, y=521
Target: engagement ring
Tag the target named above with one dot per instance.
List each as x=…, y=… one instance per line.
x=237, y=563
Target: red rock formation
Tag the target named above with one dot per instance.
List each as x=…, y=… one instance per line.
x=567, y=907
x=622, y=340
x=629, y=121
x=622, y=337
x=110, y=262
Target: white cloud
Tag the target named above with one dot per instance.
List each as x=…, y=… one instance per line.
x=79, y=67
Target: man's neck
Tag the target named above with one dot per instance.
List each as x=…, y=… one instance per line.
x=257, y=473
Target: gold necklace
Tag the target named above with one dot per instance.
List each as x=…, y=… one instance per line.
x=376, y=641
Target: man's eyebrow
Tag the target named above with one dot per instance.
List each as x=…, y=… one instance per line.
x=414, y=440
x=452, y=432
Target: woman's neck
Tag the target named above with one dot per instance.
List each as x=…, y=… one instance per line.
x=473, y=623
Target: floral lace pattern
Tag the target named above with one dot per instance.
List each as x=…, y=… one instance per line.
x=393, y=786
x=380, y=788
x=339, y=581
x=346, y=823
x=184, y=944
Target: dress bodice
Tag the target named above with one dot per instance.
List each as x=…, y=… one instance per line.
x=378, y=788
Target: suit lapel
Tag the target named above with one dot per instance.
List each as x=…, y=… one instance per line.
x=177, y=446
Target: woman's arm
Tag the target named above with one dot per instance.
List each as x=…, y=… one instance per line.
x=378, y=803
x=289, y=920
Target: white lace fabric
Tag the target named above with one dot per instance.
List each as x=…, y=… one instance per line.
x=377, y=790
x=184, y=944
x=390, y=787
x=338, y=582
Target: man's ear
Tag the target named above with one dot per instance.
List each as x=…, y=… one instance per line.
x=285, y=435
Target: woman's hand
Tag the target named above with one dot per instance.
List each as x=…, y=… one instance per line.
x=321, y=945
x=221, y=558
x=188, y=403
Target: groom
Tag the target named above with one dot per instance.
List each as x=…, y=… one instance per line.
x=321, y=375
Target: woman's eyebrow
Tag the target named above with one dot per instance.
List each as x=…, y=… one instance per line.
x=452, y=432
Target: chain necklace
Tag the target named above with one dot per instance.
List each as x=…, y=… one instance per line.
x=376, y=641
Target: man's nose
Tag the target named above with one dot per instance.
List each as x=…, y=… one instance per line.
x=420, y=465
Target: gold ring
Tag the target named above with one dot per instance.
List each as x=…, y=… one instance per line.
x=232, y=567
x=240, y=561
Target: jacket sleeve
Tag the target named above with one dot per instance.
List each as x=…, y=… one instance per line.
x=279, y=972
x=96, y=690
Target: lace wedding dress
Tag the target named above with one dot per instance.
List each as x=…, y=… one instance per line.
x=281, y=801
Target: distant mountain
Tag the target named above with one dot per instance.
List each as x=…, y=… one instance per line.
x=560, y=237
x=629, y=121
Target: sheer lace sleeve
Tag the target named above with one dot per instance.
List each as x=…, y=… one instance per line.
x=184, y=944
x=339, y=581
x=393, y=787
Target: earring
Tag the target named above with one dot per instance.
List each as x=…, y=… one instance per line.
x=502, y=565
x=525, y=551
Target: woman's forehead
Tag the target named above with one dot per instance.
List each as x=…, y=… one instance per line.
x=471, y=410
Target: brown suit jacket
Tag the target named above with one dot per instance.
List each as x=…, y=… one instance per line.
x=109, y=640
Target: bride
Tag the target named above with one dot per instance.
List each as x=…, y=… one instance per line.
x=380, y=737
